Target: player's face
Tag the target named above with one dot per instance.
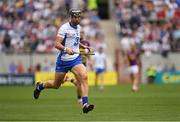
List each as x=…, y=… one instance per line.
x=75, y=20
x=100, y=50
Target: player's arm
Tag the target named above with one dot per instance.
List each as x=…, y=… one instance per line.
x=84, y=46
x=59, y=46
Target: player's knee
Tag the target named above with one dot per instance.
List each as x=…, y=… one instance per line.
x=84, y=77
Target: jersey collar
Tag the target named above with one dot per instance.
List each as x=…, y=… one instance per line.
x=75, y=27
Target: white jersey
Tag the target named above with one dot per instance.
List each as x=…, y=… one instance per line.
x=99, y=60
x=71, y=40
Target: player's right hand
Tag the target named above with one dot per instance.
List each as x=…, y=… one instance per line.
x=69, y=51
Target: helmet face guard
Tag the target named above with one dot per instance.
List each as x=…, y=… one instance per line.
x=75, y=13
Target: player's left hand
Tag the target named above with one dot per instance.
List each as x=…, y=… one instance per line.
x=86, y=51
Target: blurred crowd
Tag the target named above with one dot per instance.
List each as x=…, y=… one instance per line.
x=19, y=68
x=152, y=25
x=30, y=26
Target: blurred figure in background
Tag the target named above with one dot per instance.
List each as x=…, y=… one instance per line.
x=20, y=68
x=38, y=67
x=12, y=68
x=30, y=69
x=99, y=61
x=7, y=43
x=151, y=73
x=45, y=65
x=52, y=65
x=86, y=59
x=169, y=68
x=134, y=62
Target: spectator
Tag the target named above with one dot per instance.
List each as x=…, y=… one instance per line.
x=38, y=67
x=30, y=69
x=12, y=68
x=7, y=42
x=169, y=68
x=152, y=24
x=26, y=23
x=151, y=74
x=52, y=66
x=20, y=68
x=45, y=65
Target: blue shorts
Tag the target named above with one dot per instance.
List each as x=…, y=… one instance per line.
x=99, y=70
x=65, y=66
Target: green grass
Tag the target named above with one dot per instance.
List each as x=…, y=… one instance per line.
x=152, y=102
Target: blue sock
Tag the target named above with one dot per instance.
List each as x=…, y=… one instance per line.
x=40, y=87
x=84, y=100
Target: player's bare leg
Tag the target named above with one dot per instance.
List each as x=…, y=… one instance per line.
x=135, y=82
x=79, y=93
x=102, y=81
x=96, y=80
x=55, y=84
x=81, y=76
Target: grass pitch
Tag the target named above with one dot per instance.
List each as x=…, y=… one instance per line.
x=115, y=103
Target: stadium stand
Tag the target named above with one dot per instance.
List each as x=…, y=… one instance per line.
x=28, y=28
x=153, y=27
